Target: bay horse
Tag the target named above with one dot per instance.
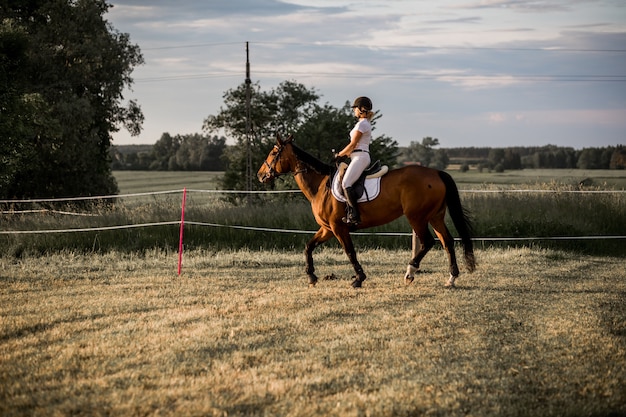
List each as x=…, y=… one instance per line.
x=421, y=194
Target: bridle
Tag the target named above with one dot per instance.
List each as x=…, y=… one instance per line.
x=271, y=167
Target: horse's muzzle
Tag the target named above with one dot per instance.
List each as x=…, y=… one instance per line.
x=264, y=176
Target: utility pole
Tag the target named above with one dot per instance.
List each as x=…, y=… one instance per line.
x=248, y=128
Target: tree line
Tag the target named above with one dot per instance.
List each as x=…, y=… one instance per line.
x=199, y=152
x=194, y=152
x=549, y=156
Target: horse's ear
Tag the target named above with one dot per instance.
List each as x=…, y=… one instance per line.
x=289, y=139
x=278, y=139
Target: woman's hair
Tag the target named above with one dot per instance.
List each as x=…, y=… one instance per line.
x=368, y=114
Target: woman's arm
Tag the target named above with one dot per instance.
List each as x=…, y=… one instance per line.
x=352, y=145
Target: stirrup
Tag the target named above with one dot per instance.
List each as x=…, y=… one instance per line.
x=350, y=220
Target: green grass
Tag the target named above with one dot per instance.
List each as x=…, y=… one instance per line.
x=531, y=332
x=600, y=179
x=98, y=323
x=146, y=181
x=500, y=214
x=130, y=182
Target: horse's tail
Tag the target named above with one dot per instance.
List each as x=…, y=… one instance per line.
x=461, y=219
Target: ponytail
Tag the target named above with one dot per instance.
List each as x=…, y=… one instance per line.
x=368, y=114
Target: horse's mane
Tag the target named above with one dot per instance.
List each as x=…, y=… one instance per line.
x=312, y=161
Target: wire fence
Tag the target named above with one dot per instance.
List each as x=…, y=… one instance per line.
x=264, y=229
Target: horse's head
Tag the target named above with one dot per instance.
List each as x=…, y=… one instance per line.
x=279, y=161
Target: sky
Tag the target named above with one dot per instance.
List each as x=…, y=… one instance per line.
x=471, y=73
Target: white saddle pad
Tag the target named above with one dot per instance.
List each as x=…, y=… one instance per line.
x=372, y=189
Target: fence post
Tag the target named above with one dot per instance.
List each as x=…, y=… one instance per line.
x=180, y=236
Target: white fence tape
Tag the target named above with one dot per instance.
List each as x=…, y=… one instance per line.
x=263, y=229
x=67, y=213
x=87, y=229
x=114, y=196
x=294, y=231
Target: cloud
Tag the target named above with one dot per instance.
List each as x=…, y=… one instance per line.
x=522, y=5
x=496, y=117
x=469, y=64
x=467, y=19
x=168, y=10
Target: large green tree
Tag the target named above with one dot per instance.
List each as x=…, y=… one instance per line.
x=424, y=154
x=291, y=108
x=64, y=69
x=280, y=110
x=327, y=128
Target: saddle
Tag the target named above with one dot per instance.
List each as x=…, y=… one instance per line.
x=365, y=191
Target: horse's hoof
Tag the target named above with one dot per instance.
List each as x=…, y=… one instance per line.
x=357, y=284
x=450, y=284
x=410, y=274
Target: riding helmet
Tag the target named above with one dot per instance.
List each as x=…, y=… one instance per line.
x=362, y=103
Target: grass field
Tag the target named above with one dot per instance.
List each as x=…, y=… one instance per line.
x=99, y=324
x=146, y=181
x=531, y=333
x=149, y=181
x=558, y=212
x=602, y=179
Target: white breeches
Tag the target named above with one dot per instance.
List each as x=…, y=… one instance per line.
x=359, y=161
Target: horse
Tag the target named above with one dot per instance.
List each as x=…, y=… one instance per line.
x=421, y=194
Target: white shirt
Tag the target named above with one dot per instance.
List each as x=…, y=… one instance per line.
x=363, y=126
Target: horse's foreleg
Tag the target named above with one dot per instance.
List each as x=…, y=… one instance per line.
x=346, y=242
x=320, y=237
x=422, y=243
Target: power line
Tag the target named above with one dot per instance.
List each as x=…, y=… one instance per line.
x=439, y=48
x=615, y=78
x=197, y=45
x=596, y=78
x=552, y=49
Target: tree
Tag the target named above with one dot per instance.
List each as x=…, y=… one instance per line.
x=67, y=69
x=422, y=153
x=385, y=149
x=440, y=159
x=200, y=153
x=590, y=158
x=512, y=159
x=163, y=150
x=281, y=110
x=618, y=158
x=327, y=128
x=496, y=158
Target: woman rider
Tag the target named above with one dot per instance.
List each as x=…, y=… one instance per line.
x=358, y=152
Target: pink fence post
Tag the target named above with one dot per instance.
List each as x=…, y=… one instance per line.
x=182, y=226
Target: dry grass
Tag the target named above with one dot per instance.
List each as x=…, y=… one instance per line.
x=532, y=332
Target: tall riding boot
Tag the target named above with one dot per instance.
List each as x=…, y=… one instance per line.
x=353, y=216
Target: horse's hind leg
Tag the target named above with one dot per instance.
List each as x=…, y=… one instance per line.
x=425, y=240
x=447, y=241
